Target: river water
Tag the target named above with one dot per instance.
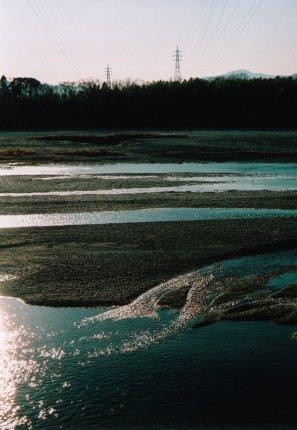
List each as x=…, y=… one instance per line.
x=199, y=177
x=139, y=216
x=150, y=168
x=91, y=368
x=138, y=367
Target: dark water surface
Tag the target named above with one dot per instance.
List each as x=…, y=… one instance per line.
x=90, y=369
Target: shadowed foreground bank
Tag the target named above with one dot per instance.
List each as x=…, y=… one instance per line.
x=113, y=264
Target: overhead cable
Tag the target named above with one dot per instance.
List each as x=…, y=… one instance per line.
x=240, y=29
x=54, y=39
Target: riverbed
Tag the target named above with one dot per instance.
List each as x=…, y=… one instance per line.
x=164, y=296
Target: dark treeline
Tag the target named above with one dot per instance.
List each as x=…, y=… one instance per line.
x=25, y=103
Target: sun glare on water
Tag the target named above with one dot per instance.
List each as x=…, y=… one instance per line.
x=13, y=371
x=7, y=383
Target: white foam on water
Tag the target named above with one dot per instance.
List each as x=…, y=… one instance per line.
x=146, y=306
x=203, y=285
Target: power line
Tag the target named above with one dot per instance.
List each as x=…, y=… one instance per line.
x=249, y=20
x=63, y=6
x=42, y=22
x=54, y=17
x=72, y=34
x=229, y=19
x=64, y=12
x=206, y=24
x=214, y=30
x=240, y=29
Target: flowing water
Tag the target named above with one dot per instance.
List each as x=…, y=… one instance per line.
x=150, y=168
x=140, y=367
x=209, y=177
x=139, y=216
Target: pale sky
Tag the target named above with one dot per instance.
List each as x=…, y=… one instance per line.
x=70, y=40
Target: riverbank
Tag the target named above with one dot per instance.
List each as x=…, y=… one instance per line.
x=148, y=146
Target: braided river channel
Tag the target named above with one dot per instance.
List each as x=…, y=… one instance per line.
x=140, y=366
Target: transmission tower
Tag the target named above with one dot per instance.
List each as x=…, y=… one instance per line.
x=177, y=58
x=108, y=76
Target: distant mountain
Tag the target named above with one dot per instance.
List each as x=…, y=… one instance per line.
x=241, y=74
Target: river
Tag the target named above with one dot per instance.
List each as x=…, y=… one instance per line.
x=65, y=368
x=139, y=366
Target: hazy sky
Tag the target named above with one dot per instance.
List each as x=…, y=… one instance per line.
x=67, y=40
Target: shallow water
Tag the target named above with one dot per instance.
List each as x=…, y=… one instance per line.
x=139, y=367
x=139, y=216
x=218, y=185
x=150, y=168
x=199, y=177
x=90, y=368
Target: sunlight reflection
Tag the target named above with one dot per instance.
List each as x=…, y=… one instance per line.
x=139, y=216
x=13, y=371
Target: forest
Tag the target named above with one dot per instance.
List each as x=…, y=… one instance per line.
x=28, y=104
